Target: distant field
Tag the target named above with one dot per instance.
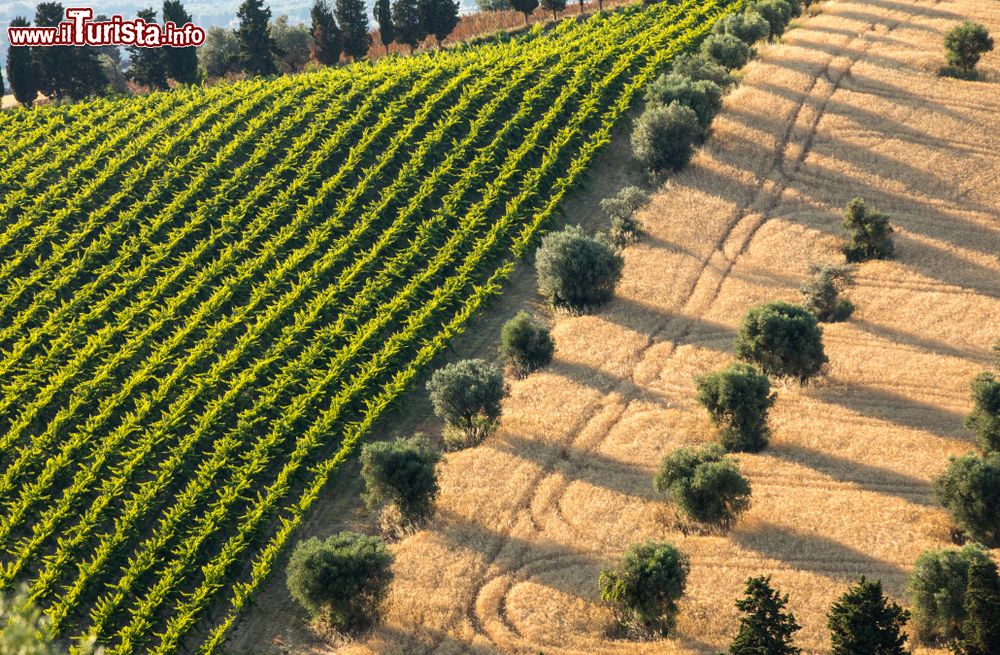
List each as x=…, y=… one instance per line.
x=208, y=296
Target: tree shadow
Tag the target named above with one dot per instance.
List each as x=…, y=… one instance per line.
x=590, y=467
x=870, y=478
x=891, y=407
x=814, y=553
x=933, y=346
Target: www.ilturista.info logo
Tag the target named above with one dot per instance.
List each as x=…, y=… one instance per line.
x=79, y=30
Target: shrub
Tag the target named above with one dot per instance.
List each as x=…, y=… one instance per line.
x=705, y=485
x=24, y=630
x=576, y=271
x=401, y=473
x=765, y=627
x=643, y=591
x=737, y=399
x=784, y=340
x=936, y=590
x=777, y=13
x=869, y=233
x=664, y=136
x=704, y=97
x=820, y=295
x=748, y=26
x=985, y=417
x=526, y=345
x=621, y=210
x=699, y=67
x=343, y=579
x=964, y=45
x=467, y=395
x=864, y=621
x=970, y=491
x=726, y=50
x=981, y=627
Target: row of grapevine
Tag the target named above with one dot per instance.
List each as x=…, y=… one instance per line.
x=208, y=301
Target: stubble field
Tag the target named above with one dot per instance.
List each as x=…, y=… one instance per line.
x=848, y=104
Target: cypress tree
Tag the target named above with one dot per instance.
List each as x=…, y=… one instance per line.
x=407, y=24
x=148, y=67
x=864, y=622
x=181, y=63
x=21, y=71
x=383, y=16
x=526, y=7
x=353, y=20
x=257, y=47
x=65, y=71
x=765, y=626
x=439, y=17
x=326, y=37
x=981, y=627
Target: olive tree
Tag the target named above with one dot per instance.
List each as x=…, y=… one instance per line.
x=726, y=50
x=821, y=293
x=705, y=485
x=663, y=137
x=969, y=490
x=985, y=417
x=868, y=232
x=468, y=396
x=400, y=475
x=783, y=339
x=526, y=344
x=343, y=579
x=577, y=271
x=737, y=399
x=964, y=45
x=936, y=590
x=702, y=96
x=747, y=26
x=620, y=210
x=644, y=589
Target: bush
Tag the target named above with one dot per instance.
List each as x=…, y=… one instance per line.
x=748, y=26
x=981, y=627
x=869, y=233
x=726, y=50
x=621, y=210
x=737, y=399
x=936, y=590
x=765, y=627
x=820, y=295
x=699, y=67
x=964, y=45
x=343, y=579
x=526, y=345
x=704, y=97
x=401, y=473
x=705, y=485
x=643, y=591
x=864, y=621
x=985, y=417
x=970, y=491
x=777, y=13
x=576, y=271
x=664, y=136
x=467, y=395
x=784, y=340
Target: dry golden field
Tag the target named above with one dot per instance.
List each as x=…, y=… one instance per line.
x=847, y=104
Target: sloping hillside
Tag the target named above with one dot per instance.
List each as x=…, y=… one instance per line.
x=208, y=296
x=848, y=104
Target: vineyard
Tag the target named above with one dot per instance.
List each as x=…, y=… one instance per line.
x=208, y=297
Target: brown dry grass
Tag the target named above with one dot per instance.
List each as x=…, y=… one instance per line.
x=848, y=104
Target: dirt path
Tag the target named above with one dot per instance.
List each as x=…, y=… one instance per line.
x=847, y=105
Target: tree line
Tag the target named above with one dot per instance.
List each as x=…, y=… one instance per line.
x=257, y=46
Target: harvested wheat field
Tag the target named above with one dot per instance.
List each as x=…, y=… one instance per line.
x=847, y=104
